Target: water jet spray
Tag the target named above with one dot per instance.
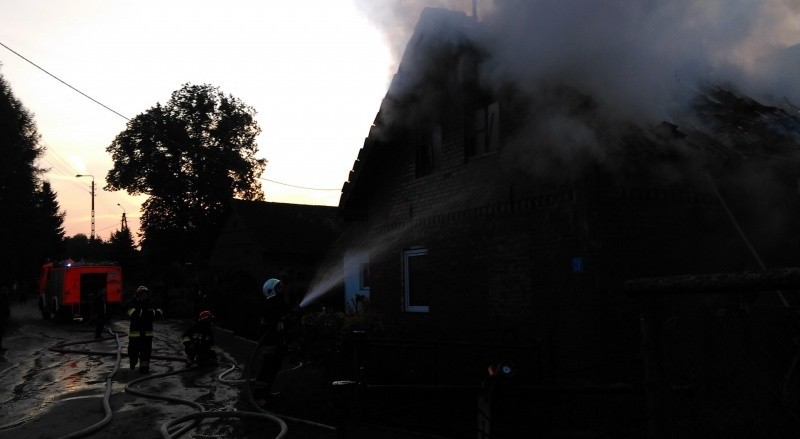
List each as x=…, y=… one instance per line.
x=325, y=284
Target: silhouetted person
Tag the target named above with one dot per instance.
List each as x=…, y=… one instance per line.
x=198, y=340
x=273, y=341
x=140, y=337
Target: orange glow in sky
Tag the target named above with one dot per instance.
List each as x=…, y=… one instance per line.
x=315, y=72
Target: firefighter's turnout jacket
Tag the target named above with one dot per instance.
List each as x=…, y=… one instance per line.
x=197, y=342
x=140, y=335
x=142, y=315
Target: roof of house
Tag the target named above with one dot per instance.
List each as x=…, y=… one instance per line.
x=288, y=228
x=745, y=126
x=718, y=124
x=414, y=74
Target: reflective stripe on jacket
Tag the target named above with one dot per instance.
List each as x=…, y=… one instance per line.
x=142, y=317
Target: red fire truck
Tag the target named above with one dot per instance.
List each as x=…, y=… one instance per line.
x=67, y=289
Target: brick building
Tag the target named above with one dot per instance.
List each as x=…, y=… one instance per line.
x=484, y=226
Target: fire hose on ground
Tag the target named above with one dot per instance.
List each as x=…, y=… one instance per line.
x=169, y=428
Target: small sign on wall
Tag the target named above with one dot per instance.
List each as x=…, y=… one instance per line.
x=578, y=264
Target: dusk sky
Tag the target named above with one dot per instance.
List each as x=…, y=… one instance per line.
x=315, y=72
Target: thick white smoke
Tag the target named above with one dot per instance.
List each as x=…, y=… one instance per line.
x=642, y=58
x=397, y=18
x=638, y=58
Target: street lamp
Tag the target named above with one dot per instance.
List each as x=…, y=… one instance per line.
x=87, y=175
x=123, y=225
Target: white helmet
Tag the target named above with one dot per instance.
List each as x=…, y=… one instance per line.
x=269, y=287
x=141, y=291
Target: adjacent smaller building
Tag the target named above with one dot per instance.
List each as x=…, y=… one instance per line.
x=260, y=240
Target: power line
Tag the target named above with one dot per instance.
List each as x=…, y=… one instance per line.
x=69, y=174
x=299, y=187
x=64, y=164
x=63, y=82
x=128, y=119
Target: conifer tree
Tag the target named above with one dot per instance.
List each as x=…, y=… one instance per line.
x=30, y=223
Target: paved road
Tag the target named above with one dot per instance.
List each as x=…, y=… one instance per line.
x=48, y=394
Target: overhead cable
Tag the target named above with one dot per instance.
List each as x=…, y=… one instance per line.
x=128, y=119
x=299, y=187
x=63, y=82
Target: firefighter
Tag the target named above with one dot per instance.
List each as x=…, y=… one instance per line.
x=273, y=341
x=140, y=338
x=100, y=311
x=198, y=340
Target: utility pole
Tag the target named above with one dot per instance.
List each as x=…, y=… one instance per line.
x=87, y=175
x=123, y=225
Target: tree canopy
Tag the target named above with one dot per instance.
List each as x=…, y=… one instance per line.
x=191, y=155
x=49, y=220
x=30, y=220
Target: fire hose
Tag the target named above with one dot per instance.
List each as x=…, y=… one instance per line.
x=106, y=396
x=249, y=391
x=168, y=429
x=165, y=427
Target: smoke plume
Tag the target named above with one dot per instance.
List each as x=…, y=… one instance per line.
x=641, y=58
x=637, y=59
x=397, y=18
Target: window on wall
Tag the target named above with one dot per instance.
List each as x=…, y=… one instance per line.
x=429, y=150
x=417, y=280
x=484, y=137
x=363, y=276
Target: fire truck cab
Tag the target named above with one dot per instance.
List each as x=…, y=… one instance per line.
x=67, y=289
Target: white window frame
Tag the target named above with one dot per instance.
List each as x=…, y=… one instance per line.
x=407, y=254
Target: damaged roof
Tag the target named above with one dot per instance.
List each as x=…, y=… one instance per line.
x=745, y=126
x=719, y=124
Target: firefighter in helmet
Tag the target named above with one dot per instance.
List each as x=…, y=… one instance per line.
x=273, y=341
x=140, y=338
x=198, y=340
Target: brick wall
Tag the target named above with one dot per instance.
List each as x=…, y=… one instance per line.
x=502, y=248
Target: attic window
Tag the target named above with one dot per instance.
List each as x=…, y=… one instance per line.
x=429, y=150
x=484, y=135
x=417, y=279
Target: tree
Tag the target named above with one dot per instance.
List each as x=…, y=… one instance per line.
x=78, y=247
x=49, y=238
x=123, y=250
x=81, y=248
x=22, y=196
x=191, y=156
